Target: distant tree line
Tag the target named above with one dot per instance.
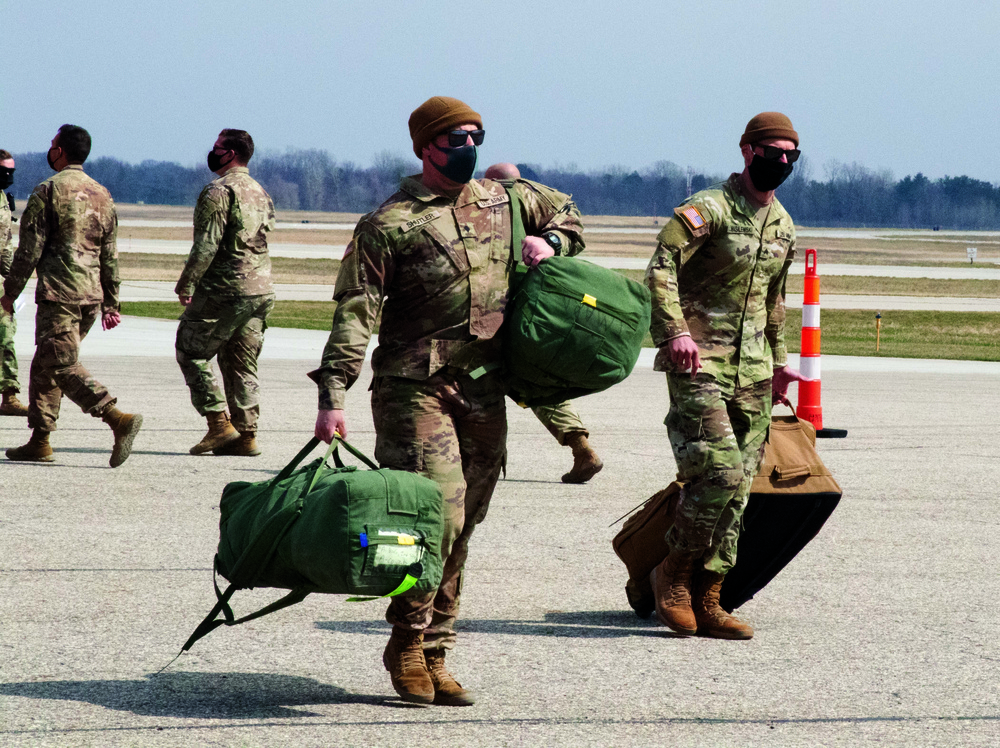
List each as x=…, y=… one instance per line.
x=849, y=195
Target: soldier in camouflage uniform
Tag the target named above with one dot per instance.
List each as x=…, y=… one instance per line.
x=68, y=232
x=9, y=386
x=435, y=259
x=226, y=290
x=562, y=420
x=717, y=280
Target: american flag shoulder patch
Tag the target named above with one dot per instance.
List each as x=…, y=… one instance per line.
x=693, y=219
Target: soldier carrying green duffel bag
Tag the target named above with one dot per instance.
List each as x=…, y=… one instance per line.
x=334, y=530
x=571, y=328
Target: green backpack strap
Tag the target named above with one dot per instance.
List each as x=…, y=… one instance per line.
x=517, y=235
x=212, y=621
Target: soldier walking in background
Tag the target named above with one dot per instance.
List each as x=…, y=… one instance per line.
x=68, y=233
x=437, y=254
x=717, y=280
x=562, y=420
x=226, y=290
x=9, y=386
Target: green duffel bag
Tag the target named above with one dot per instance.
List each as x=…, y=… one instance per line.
x=572, y=328
x=335, y=530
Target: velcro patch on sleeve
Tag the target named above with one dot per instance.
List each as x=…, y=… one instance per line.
x=693, y=219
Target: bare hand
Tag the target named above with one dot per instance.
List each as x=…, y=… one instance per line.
x=184, y=300
x=7, y=303
x=780, y=380
x=683, y=352
x=330, y=422
x=534, y=250
x=111, y=319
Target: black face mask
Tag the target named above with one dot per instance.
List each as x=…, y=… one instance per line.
x=48, y=157
x=6, y=178
x=767, y=174
x=461, y=163
x=215, y=161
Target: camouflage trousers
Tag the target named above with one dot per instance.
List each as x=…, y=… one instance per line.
x=8, y=359
x=718, y=441
x=232, y=329
x=56, y=369
x=561, y=420
x=453, y=429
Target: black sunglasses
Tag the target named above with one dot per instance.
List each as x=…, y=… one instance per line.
x=457, y=138
x=773, y=153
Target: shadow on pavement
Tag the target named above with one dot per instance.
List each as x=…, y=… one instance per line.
x=198, y=695
x=586, y=624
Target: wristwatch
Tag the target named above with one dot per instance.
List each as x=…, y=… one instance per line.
x=553, y=241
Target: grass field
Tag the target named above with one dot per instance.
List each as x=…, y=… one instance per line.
x=151, y=267
x=846, y=332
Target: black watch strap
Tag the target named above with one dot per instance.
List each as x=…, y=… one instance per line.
x=553, y=240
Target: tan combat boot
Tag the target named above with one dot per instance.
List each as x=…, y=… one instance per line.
x=11, y=406
x=220, y=432
x=712, y=619
x=447, y=690
x=244, y=445
x=404, y=659
x=37, y=449
x=124, y=426
x=671, y=582
x=586, y=463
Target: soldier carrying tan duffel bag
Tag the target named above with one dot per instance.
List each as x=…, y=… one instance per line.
x=790, y=500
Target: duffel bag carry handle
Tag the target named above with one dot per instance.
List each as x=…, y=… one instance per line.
x=310, y=446
x=334, y=450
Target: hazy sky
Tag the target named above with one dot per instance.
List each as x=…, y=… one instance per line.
x=905, y=86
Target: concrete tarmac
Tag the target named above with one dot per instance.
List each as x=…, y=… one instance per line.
x=883, y=631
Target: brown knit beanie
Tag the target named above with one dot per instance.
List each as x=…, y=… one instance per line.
x=435, y=116
x=769, y=125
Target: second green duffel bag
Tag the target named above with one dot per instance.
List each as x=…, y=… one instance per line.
x=572, y=328
x=334, y=530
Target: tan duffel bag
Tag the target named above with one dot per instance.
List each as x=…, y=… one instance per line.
x=791, y=497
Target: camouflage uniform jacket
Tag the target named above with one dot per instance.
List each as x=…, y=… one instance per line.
x=718, y=274
x=68, y=233
x=229, y=256
x=440, y=265
x=6, y=236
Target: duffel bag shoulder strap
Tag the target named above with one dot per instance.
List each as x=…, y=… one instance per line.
x=517, y=235
x=212, y=621
x=261, y=548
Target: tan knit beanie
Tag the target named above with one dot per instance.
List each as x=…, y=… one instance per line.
x=437, y=115
x=769, y=125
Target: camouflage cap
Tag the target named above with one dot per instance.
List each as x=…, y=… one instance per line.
x=437, y=114
x=769, y=125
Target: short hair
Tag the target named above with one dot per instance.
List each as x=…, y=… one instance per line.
x=75, y=143
x=5, y=155
x=238, y=141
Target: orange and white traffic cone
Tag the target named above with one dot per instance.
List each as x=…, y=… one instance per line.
x=810, y=407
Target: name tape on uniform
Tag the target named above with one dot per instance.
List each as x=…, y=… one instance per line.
x=420, y=221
